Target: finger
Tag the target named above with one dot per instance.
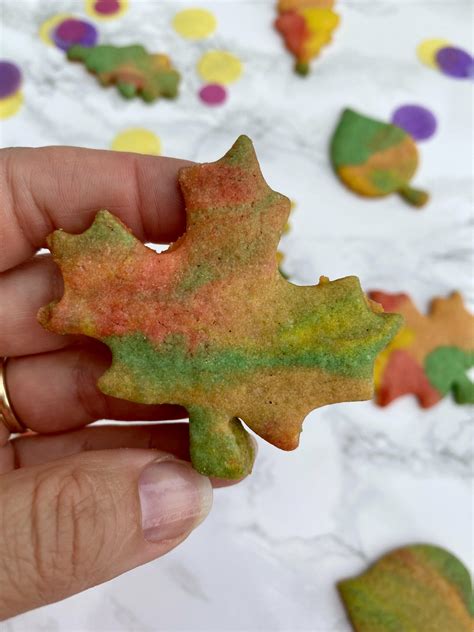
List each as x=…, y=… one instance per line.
x=39, y=449
x=23, y=290
x=51, y=392
x=80, y=521
x=173, y=438
x=64, y=187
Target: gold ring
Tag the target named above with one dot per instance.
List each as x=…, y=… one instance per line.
x=10, y=420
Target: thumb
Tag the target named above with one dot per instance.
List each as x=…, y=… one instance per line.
x=79, y=521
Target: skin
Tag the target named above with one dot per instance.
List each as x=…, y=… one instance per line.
x=42, y=517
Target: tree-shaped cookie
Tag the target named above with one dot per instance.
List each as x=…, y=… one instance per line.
x=430, y=356
x=375, y=159
x=306, y=26
x=211, y=324
x=418, y=588
x=131, y=68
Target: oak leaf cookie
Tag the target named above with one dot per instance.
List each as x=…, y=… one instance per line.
x=375, y=159
x=430, y=355
x=131, y=68
x=418, y=588
x=211, y=324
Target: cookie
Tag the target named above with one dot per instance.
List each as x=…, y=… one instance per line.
x=430, y=356
x=419, y=588
x=211, y=324
x=132, y=69
x=306, y=26
x=375, y=159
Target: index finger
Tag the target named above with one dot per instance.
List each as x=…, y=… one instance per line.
x=64, y=187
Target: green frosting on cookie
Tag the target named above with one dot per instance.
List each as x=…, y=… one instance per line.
x=131, y=68
x=420, y=588
x=446, y=369
x=357, y=137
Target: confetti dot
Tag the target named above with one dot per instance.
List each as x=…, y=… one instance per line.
x=10, y=79
x=106, y=9
x=219, y=67
x=194, y=23
x=455, y=62
x=11, y=105
x=416, y=120
x=138, y=141
x=73, y=31
x=46, y=29
x=213, y=94
x=427, y=50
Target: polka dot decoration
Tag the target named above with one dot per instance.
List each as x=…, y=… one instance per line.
x=11, y=97
x=194, y=24
x=106, y=9
x=11, y=105
x=137, y=140
x=213, y=94
x=220, y=67
x=455, y=62
x=48, y=26
x=427, y=50
x=73, y=31
x=442, y=55
x=416, y=120
x=10, y=78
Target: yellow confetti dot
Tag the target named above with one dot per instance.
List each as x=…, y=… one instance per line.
x=49, y=25
x=90, y=6
x=427, y=50
x=194, y=23
x=11, y=105
x=138, y=141
x=219, y=67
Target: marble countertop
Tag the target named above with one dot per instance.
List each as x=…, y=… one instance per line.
x=364, y=479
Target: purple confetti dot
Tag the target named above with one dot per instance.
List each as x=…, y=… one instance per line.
x=72, y=32
x=416, y=120
x=107, y=7
x=213, y=94
x=455, y=62
x=10, y=79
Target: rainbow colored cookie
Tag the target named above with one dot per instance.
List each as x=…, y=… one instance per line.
x=211, y=324
x=419, y=588
x=131, y=68
x=375, y=159
x=430, y=355
x=306, y=26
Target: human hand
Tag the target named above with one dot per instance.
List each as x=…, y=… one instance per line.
x=75, y=509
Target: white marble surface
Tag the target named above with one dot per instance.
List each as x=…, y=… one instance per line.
x=364, y=479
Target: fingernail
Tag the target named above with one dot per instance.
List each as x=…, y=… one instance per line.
x=174, y=499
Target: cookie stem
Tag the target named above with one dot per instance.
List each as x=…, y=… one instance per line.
x=415, y=197
x=219, y=446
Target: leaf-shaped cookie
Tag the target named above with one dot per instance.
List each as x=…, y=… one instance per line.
x=211, y=324
x=131, y=68
x=419, y=588
x=375, y=159
x=306, y=26
x=430, y=356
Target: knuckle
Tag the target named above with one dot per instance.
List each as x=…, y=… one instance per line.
x=91, y=401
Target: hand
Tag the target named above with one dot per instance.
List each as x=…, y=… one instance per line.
x=75, y=509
